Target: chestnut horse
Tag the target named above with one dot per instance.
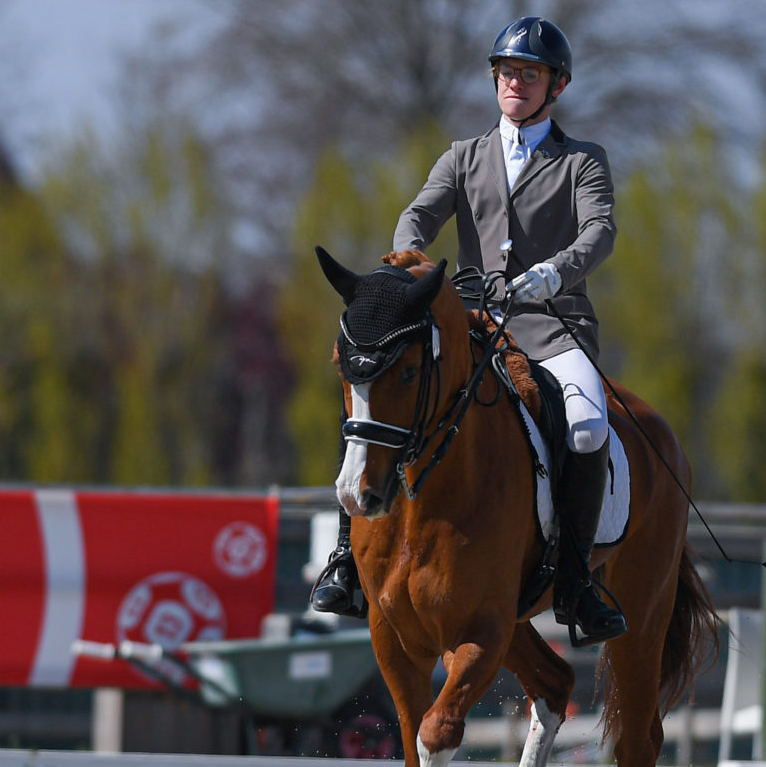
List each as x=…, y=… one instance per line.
x=445, y=544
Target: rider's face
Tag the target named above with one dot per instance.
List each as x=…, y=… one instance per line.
x=518, y=98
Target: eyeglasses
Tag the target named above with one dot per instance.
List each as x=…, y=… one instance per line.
x=528, y=75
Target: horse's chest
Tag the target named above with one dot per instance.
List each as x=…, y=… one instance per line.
x=415, y=572
x=420, y=584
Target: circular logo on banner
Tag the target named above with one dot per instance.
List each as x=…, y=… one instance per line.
x=240, y=549
x=169, y=609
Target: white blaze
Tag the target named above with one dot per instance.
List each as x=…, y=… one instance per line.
x=347, y=483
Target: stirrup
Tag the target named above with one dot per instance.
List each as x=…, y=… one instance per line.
x=358, y=608
x=569, y=617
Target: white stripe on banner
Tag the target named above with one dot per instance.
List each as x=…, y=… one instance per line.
x=65, y=587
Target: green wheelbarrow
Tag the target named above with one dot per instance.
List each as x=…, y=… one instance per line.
x=323, y=690
x=304, y=676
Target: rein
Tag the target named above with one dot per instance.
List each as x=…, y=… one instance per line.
x=453, y=418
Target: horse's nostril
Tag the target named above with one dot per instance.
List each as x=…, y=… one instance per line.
x=371, y=502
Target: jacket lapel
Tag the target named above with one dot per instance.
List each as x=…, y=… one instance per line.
x=493, y=148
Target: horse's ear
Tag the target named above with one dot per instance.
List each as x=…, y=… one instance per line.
x=422, y=292
x=342, y=279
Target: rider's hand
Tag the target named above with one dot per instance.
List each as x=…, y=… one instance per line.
x=541, y=282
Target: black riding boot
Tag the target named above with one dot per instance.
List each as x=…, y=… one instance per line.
x=336, y=585
x=575, y=600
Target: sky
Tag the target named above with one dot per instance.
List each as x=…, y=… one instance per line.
x=60, y=60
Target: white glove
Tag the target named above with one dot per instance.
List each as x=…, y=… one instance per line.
x=541, y=282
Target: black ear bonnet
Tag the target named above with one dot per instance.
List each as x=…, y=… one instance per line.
x=379, y=323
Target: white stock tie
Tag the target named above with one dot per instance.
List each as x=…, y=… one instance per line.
x=516, y=158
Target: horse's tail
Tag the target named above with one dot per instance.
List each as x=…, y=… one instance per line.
x=691, y=643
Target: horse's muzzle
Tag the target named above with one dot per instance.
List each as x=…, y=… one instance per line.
x=374, y=504
x=371, y=504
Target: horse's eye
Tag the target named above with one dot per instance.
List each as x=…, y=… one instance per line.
x=409, y=374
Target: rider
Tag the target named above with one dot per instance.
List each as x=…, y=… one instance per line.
x=553, y=197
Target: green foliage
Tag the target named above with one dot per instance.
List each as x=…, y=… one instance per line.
x=666, y=322
x=113, y=333
x=738, y=418
x=352, y=213
x=110, y=339
x=640, y=310
x=738, y=428
x=33, y=257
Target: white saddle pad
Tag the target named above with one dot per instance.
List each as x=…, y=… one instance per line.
x=613, y=523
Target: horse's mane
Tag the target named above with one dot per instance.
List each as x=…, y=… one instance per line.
x=515, y=359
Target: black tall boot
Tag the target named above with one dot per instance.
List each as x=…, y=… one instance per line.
x=575, y=600
x=336, y=585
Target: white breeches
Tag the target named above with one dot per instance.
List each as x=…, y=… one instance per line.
x=584, y=399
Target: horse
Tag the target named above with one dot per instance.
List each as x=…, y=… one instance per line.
x=437, y=478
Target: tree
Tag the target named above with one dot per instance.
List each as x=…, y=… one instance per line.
x=33, y=255
x=737, y=431
x=275, y=86
x=118, y=336
x=658, y=297
x=275, y=83
x=738, y=428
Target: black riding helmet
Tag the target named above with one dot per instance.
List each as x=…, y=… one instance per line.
x=532, y=38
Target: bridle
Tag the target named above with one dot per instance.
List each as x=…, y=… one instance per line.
x=413, y=442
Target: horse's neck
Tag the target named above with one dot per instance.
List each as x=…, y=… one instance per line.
x=489, y=449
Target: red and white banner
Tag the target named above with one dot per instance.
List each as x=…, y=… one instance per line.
x=161, y=568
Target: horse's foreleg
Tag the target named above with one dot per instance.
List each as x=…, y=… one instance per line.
x=547, y=680
x=408, y=679
x=471, y=669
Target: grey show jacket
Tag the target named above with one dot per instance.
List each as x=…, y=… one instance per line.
x=559, y=210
